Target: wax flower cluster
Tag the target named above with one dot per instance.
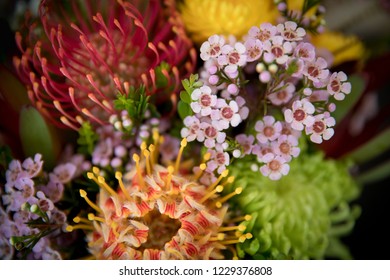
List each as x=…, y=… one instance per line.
x=256, y=97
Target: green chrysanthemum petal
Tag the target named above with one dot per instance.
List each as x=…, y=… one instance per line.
x=300, y=216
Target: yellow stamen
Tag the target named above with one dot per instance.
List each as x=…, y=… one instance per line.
x=239, y=228
x=206, y=157
x=223, y=175
x=104, y=185
x=147, y=160
x=209, y=194
x=81, y=226
x=240, y=219
x=183, y=144
x=92, y=217
x=219, y=237
x=202, y=168
x=143, y=148
x=139, y=171
x=229, y=180
x=79, y=219
x=153, y=154
x=241, y=239
x=227, y=197
x=96, y=170
x=118, y=176
x=83, y=194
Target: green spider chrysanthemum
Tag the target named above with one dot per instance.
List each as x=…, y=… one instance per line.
x=300, y=216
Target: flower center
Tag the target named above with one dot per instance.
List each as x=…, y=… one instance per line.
x=215, y=50
x=289, y=34
x=299, y=115
x=274, y=165
x=268, y=131
x=284, y=148
x=264, y=35
x=318, y=127
x=234, y=57
x=210, y=132
x=277, y=51
x=227, y=113
x=281, y=95
x=220, y=157
x=161, y=230
x=313, y=71
x=335, y=85
x=205, y=100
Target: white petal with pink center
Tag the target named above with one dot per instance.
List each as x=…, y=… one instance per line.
x=275, y=166
x=300, y=115
x=212, y=48
x=337, y=86
x=268, y=129
x=321, y=128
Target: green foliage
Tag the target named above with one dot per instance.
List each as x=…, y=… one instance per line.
x=135, y=102
x=87, y=139
x=37, y=136
x=308, y=4
x=184, y=108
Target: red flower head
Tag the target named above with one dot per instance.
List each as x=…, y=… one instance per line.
x=81, y=54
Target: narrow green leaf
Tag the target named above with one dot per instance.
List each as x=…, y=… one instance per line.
x=344, y=106
x=371, y=149
x=37, y=136
x=251, y=246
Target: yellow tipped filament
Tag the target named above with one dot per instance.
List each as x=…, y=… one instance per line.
x=153, y=154
x=218, y=189
x=92, y=217
x=147, y=160
x=229, y=180
x=183, y=144
x=81, y=226
x=139, y=171
x=241, y=239
x=83, y=194
x=241, y=219
x=102, y=183
x=202, y=168
x=239, y=228
x=96, y=170
x=79, y=219
x=143, y=148
x=118, y=176
x=206, y=156
x=219, y=237
x=223, y=175
x=227, y=197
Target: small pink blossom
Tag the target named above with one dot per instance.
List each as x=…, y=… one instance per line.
x=204, y=100
x=246, y=143
x=254, y=49
x=321, y=128
x=233, y=57
x=316, y=71
x=305, y=51
x=282, y=96
x=65, y=172
x=275, y=166
x=290, y=31
x=218, y=161
x=277, y=49
x=227, y=114
x=212, y=48
x=300, y=115
x=192, y=130
x=264, y=33
x=337, y=86
x=268, y=129
x=286, y=147
x=212, y=134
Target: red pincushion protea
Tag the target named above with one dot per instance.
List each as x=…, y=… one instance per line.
x=82, y=53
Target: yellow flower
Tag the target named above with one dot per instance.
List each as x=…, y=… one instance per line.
x=343, y=47
x=204, y=18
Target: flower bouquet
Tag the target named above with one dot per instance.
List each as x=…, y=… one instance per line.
x=177, y=130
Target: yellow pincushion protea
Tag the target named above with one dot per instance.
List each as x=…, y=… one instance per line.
x=158, y=213
x=203, y=18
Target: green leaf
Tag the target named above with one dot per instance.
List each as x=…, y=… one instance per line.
x=343, y=107
x=372, y=148
x=37, y=136
x=161, y=79
x=251, y=246
x=184, y=110
x=87, y=139
x=185, y=97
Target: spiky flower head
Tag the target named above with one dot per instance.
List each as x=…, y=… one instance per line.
x=157, y=212
x=300, y=216
x=80, y=54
